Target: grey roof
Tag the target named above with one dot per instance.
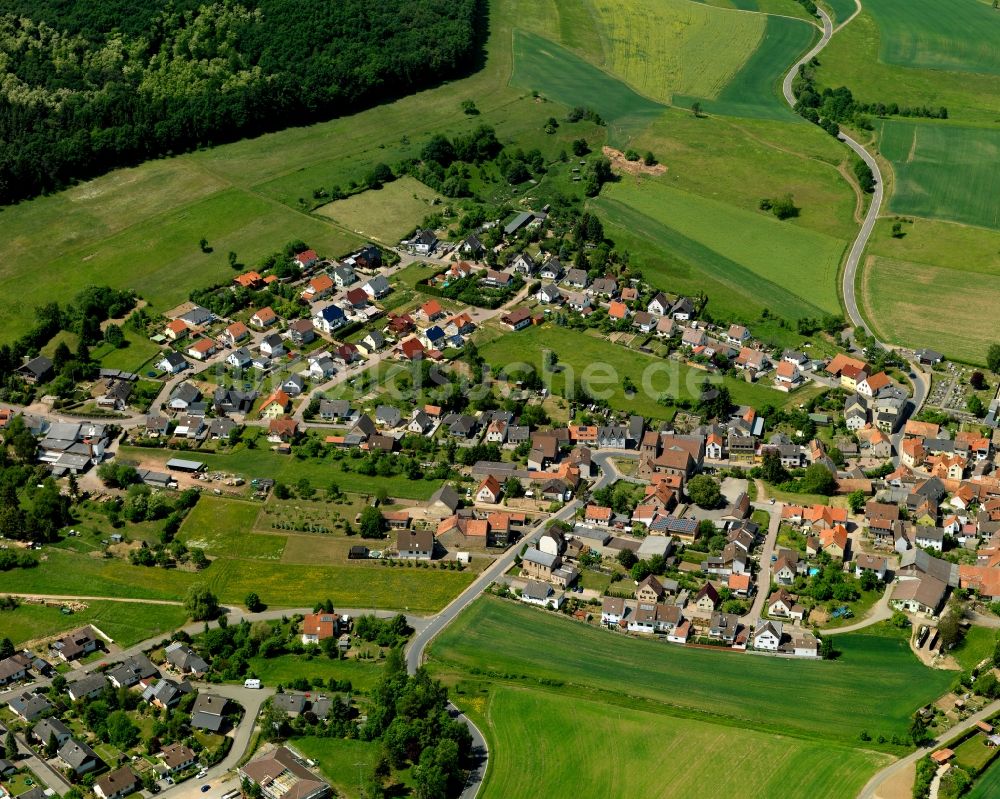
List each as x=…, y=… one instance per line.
x=186, y=392
x=185, y=658
x=518, y=222
x=916, y=560
x=378, y=284
x=134, y=668
x=38, y=366
x=290, y=703
x=29, y=705
x=166, y=691
x=535, y=589
x=446, y=495
x=85, y=685
x=75, y=753
x=541, y=558
x=388, y=415
x=48, y=727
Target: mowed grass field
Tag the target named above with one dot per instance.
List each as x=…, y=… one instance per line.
x=876, y=684
x=363, y=674
x=126, y=622
x=944, y=171
x=921, y=305
x=602, y=365
x=667, y=47
x=791, y=269
x=224, y=528
x=386, y=214
x=620, y=749
x=542, y=65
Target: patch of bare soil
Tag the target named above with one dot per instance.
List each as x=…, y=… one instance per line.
x=619, y=163
x=899, y=785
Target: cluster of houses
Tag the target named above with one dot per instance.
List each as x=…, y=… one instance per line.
x=660, y=609
x=136, y=672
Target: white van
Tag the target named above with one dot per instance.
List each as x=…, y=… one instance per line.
x=251, y=683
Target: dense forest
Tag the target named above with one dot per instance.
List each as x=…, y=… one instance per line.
x=87, y=85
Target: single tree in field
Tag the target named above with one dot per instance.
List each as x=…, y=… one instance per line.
x=203, y=244
x=696, y=109
x=253, y=603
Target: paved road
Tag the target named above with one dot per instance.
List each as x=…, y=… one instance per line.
x=871, y=788
x=218, y=775
x=766, y=550
x=50, y=776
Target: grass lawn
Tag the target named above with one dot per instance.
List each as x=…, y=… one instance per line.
x=132, y=358
x=542, y=65
x=224, y=528
x=127, y=623
x=363, y=674
x=973, y=753
x=386, y=214
x=667, y=47
x=751, y=251
x=602, y=366
x=537, y=726
x=978, y=645
x=266, y=463
x=944, y=171
x=342, y=760
x=410, y=275
x=22, y=782
x=876, y=684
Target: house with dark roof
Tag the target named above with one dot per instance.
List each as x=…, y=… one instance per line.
x=117, y=784
x=417, y=544
x=208, y=712
x=185, y=659
x=78, y=757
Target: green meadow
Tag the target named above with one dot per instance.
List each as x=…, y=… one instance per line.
x=958, y=36
x=876, y=684
x=528, y=725
x=540, y=685
x=583, y=357
x=544, y=66
x=944, y=171
x=127, y=623
x=787, y=268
